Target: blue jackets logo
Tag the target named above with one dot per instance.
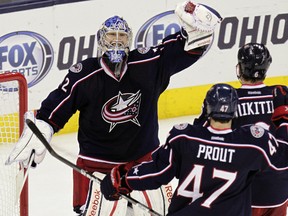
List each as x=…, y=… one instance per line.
x=155, y=29
x=28, y=53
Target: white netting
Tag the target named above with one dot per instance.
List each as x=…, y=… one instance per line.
x=9, y=203
x=9, y=113
x=9, y=134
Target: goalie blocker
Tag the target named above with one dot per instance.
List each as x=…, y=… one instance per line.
x=199, y=22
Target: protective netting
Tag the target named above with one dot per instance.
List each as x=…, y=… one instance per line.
x=9, y=134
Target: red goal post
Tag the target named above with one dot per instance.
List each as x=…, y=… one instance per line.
x=13, y=105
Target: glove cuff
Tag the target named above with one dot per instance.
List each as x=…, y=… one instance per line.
x=45, y=128
x=124, y=187
x=280, y=111
x=279, y=119
x=280, y=115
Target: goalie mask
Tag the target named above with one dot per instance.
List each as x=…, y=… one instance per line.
x=254, y=60
x=221, y=102
x=114, y=39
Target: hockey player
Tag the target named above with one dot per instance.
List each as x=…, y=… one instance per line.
x=215, y=165
x=116, y=95
x=269, y=189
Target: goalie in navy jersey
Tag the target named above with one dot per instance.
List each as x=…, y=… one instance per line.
x=116, y=95
x=214, y=165
x=269, y=189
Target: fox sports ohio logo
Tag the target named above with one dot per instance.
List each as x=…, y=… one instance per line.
x=155, y=29
x=26, y=52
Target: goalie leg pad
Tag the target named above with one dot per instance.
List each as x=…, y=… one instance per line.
x=96, y=204
x=158, y=200
x=81, y=183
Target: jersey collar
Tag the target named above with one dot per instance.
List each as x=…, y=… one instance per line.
x=219, y=131
x=110, y=73
x=253, y=86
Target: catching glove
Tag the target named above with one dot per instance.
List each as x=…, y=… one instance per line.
x=114, y=184
x=29, y=143
x=280, y=103
x=199, y=21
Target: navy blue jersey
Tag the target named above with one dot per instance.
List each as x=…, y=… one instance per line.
x=215, y=168
x=118, y=118
x=255, y=106
x=269, y=189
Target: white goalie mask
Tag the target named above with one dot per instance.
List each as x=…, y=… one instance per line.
x=114, y=39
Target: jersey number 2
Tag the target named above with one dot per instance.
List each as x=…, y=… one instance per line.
x=196, y=176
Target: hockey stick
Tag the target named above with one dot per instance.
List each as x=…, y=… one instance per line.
x=19, y=189
x=85, y=173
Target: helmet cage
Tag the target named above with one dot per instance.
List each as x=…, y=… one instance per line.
x=221, y=102
x=114, y=39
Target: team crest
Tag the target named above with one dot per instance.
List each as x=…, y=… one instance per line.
x=122, y=108
x=181, y=126
x=143, y=50
x=76, y=68
x=257, y=131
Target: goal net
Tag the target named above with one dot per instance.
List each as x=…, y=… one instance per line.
x=13, y=105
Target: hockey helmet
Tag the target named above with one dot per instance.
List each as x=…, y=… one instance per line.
x=221, y=102
x=114, y=39
x=254, y=60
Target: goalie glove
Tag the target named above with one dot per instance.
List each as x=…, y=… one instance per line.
x=29, y=143
x=199, y=22
x=114, y=184
x=280, y=103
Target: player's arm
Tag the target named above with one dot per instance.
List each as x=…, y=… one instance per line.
x=148, y=175
x=199, y=22
x=280, y=115
x=28, y=143
x=182, y=49
x=277, y=147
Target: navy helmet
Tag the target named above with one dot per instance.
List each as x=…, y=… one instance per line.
x=254, y=60
x=221, y=102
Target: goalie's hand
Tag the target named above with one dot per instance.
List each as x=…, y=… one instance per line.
x=114, y=184
x=29, y=143
x=280, y=103
x=199, y=21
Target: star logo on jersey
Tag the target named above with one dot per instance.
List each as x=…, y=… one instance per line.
x=122, y=108
x=135, y=171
